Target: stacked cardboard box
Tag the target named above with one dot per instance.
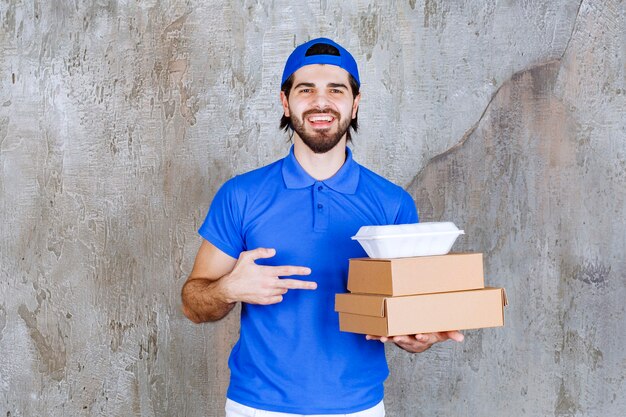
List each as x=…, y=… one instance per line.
x=390, y=297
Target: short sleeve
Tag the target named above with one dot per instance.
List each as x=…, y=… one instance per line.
x=407, y=213
x=223, y=223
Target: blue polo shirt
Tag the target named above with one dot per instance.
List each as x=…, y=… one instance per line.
x=291, y=356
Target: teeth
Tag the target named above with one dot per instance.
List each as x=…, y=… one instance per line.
x=321, y=119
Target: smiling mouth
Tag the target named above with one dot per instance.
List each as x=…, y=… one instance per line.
x=321, y=121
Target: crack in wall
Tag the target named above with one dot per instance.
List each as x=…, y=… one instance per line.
x=473, y=128
x=571, y=35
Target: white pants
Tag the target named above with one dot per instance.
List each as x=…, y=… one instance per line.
x=234, y=409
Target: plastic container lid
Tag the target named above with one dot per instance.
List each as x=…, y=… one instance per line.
x=406, y=240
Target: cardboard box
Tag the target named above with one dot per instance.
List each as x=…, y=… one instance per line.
x=417, y=275
x=379, y=315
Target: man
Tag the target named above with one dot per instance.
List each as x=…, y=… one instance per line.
x=295, y=217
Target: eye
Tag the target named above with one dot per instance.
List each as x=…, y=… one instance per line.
x=305, y=90
x=336, y=91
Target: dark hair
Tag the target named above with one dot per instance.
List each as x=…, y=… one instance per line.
x=321, y=49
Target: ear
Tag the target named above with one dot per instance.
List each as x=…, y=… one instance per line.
x=355, y=105
x=285, y=102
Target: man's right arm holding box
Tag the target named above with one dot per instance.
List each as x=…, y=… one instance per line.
x=419, y=343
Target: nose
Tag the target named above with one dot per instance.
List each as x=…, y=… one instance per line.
x=321, y=100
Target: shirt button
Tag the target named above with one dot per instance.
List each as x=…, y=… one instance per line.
x=320, y=206
x=320, y=188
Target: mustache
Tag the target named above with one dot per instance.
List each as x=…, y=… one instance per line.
x=332, y=112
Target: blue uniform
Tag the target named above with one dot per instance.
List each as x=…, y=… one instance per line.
x=291, y=356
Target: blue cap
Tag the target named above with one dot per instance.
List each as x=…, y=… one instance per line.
x=299, y=59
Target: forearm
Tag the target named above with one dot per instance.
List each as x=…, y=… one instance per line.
x=204, y=301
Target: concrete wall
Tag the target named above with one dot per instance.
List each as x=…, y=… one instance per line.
x=119, y=120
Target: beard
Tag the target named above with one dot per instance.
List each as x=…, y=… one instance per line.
x=320, y=141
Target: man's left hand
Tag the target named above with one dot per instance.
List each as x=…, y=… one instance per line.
x=419, y=342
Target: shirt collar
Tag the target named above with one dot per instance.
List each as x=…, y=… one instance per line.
x=344, y=181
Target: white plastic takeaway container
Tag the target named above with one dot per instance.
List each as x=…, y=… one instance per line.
x=406, y=240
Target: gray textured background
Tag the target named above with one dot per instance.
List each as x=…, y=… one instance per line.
x=119, y=120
